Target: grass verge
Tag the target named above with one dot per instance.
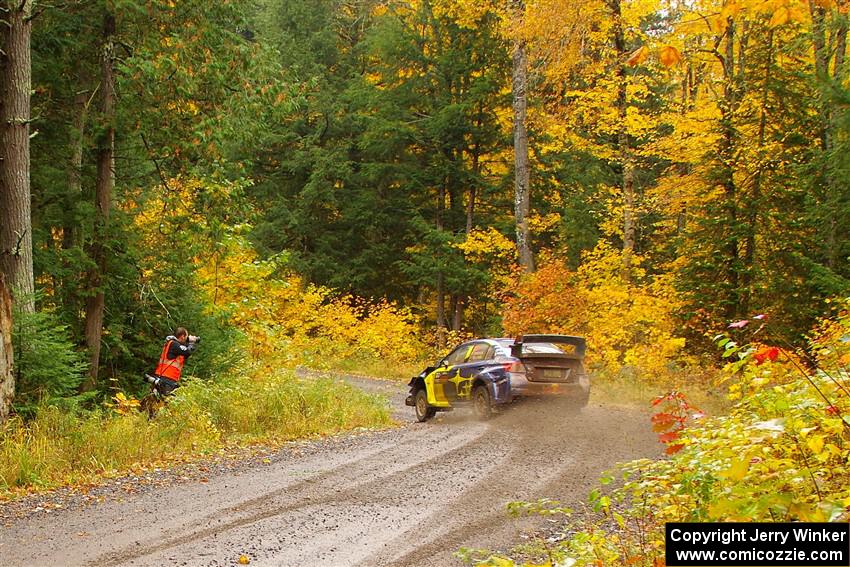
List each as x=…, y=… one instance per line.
x=59, y=447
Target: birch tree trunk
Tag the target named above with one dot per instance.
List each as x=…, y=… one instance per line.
x=522, y=196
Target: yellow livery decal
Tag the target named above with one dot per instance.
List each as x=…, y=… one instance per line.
x=434, y=388
x=446, y=384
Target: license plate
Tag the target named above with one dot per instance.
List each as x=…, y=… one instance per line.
x=552, y=373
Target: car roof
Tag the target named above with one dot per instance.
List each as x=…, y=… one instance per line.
x=494, y=342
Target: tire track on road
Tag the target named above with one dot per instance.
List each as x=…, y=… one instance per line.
x=316, y=490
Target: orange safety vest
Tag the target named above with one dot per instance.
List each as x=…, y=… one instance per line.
x=172, y=368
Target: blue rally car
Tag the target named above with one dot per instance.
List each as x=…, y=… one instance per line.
x=492, y=372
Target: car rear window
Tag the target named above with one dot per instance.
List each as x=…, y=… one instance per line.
x=543, y=348
x=547, y=348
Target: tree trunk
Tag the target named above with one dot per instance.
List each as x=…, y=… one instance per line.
x=460, y=304
x=441, y=291
x=441, y=311
x=473, y=187
x=75, y=186
x=829, y=117
x=522, y=197
x=837, y=118
x=726, y=152
x=75, y=166
x=623, y=145
x=755, y=196
x=840, y=49
x=103, y=198
x=628, y=211
x=7, y=376
x=15, y=211
x=457, y=316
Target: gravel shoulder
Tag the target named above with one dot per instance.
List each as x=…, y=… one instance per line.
x=407, y=496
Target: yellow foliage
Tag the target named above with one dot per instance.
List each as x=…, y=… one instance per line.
x=284, y=316
x=780, y=17
x=487, y=244
x=123, y=405
x=640, y=55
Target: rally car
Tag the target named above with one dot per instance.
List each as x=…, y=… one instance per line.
x=492, y=372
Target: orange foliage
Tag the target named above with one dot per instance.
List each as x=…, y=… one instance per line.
x=626, y=323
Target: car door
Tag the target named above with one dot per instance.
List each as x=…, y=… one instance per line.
x=441, y=384
x=466, y=366
x=477, y=359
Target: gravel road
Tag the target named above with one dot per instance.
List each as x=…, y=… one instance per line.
x=407, y=496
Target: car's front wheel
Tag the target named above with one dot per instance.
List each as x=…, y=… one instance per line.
x=481, y=402
x=420, y=403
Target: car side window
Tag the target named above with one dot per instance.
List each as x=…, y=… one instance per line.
x=479, y=352
x=458, y=354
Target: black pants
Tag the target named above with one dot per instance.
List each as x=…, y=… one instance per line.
x=166, y=386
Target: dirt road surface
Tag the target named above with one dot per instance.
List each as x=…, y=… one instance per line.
x=408, y=496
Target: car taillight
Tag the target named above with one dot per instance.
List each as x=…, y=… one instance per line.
x=513, y=366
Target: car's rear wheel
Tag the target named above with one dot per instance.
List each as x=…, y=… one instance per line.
x=420, y=404
x=481, y=402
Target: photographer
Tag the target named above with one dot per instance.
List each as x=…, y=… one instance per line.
x=178, y=347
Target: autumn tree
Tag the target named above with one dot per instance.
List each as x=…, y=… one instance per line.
x=748, y=236
x=379, y=174
x=98, y=147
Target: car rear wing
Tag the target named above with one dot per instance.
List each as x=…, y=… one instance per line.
x=579, y=344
